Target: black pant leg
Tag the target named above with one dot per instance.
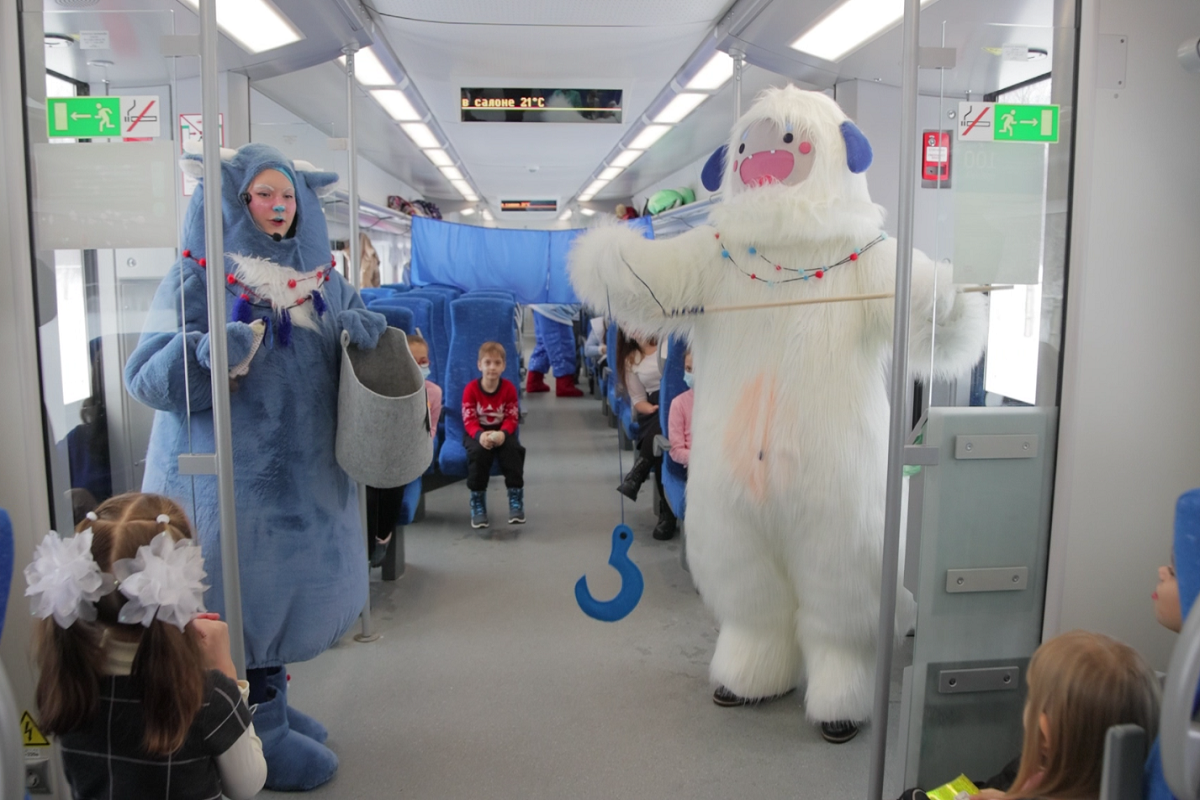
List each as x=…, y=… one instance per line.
x=512, y=462
x=479, y=464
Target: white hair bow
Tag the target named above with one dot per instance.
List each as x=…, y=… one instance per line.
x=164, y=581
x=64, y=580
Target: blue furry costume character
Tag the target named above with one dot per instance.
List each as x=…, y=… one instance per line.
x=300, y=540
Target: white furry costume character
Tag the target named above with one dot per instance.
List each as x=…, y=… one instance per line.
x=786, y=484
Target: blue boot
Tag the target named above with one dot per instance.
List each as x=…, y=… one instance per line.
x=295, y=763
x=297, y=720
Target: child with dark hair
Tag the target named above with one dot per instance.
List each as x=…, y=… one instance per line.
x=136, y=681
x=490, y=413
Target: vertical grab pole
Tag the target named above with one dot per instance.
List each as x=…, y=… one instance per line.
x=214, y=245
x=355, y=270
x=899, y=389
x=739, y=64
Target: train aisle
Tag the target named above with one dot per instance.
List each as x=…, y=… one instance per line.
x=489, y=682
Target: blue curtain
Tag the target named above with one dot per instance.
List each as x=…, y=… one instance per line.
x=530, y=264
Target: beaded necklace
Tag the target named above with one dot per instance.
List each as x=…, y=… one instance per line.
x=247, y=298
x=800, y=274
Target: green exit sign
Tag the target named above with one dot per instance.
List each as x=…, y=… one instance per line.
x=83, y=117
x=1013, y=123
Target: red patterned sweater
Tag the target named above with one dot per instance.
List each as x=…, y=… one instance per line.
x=489, y=412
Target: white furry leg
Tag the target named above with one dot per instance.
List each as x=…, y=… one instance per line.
x=755, y=662
x=841, y=680
x=748, y=592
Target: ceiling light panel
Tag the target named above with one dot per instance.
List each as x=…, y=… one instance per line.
x=466, y=212
x=713, y=74
x=595, y=186
x=368, y=69
x=587, y=212
x=421, y=135
x=626, y=157
x=463, y=187
x=566, y=215
x=610, y=173
x=680, y=107
x=649, y=135
x=397, y=104
x=452, y=173
x=439, y=157
x=256, y=25
x=849, y=26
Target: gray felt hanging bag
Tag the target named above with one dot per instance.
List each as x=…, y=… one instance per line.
x=383, y=417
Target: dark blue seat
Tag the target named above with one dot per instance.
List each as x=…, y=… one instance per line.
x=397, y=317
x=674, y=475
x=618, y=401
x=438, y=335
x=397, y=287
x=423, y=321
x=7, y=557
x=374, y=293
x=452, y=291
x=474, y=320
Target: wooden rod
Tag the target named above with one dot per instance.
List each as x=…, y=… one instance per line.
x=838, y=299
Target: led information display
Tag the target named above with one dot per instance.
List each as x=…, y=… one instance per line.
x=529, y=205
x=541, y=105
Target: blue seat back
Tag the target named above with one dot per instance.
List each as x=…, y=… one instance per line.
x=475, y=320
x=374, y=293
x=6, y=563
x=439, y=334
x=397, y=317
x=453, y=292
x=397, y=287
x=674, y=475
x=422, y=313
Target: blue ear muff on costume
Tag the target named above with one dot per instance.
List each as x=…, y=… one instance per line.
x=714, y=168
x=858, y=149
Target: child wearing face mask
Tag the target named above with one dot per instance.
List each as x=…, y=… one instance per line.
x=680, y=419
x=433, y=393
x=383, y=505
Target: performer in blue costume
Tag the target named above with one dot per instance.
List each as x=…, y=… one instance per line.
x=300, y=539
x=554, y=347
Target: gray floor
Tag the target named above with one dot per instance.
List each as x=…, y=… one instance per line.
x=488, y=681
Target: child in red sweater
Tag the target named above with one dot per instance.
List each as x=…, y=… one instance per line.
x=489, y=414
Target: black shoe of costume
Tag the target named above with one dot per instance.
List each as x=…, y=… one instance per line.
x=839, y=731
x=636, y=477
x=727, y=699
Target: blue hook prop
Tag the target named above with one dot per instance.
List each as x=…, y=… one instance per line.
x=631, y=582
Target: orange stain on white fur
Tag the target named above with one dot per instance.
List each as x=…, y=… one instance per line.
x=746, y=446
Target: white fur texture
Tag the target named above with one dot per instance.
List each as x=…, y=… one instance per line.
x=269, y=281
x=786, y=484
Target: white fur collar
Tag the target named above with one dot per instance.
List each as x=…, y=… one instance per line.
x=785, y=215
x=269, y=282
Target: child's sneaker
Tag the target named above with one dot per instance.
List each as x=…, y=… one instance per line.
x=516, y=505
x=479, y=510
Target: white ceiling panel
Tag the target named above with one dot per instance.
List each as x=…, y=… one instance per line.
x=551, y=13
x=590, y=45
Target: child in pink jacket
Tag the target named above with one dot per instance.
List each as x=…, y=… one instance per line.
x=679, y=420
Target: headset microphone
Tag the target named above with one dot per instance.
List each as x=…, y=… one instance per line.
x=277, y=237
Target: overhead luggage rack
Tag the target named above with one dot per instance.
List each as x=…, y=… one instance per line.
x=677, y=220
x=370, y=217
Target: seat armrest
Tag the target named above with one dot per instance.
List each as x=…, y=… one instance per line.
x=661, y=444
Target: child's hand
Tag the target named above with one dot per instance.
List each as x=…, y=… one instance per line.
x=988, y=794
x=497, y=438
x=213, y=636
x=485, y=439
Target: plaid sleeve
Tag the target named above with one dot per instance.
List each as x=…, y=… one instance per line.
x=224, y=716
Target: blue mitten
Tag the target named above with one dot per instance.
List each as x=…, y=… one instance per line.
x=365, y=327
x=239, y=339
